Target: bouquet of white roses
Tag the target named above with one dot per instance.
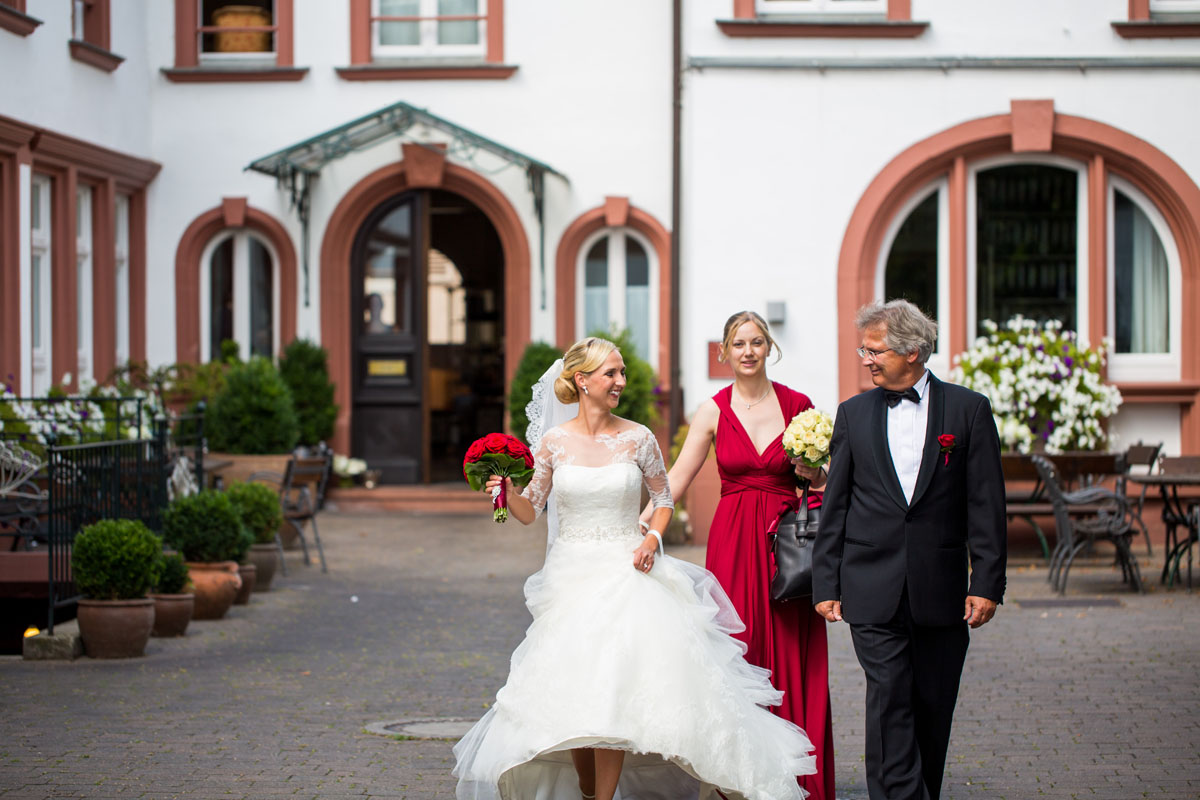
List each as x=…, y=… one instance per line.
x=807, y=437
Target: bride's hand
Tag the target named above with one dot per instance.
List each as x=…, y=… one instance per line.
x=643, y=556
x=494, y=481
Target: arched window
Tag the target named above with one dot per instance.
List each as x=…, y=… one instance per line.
x=914, y=259
x=239, y=296
x=619, y=278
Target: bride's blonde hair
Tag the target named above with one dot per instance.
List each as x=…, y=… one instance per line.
x=584, y=356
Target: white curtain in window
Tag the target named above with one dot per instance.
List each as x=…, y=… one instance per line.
x=1149, y=278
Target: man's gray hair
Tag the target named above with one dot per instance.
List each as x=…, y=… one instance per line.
x=908, y=329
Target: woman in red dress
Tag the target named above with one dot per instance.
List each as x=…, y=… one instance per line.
x=745, y=421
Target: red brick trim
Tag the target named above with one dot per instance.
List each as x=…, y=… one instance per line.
x=1032, y=126
x=187, y=273
x=14, y=20
x=1181, y=392
x=233, y=212
x=898, y=24
x=104, y=284
x=465, y=72
x=98, y=161
x=567, y=258
x=1139, y=10
x=344, y=224
x=94, y=56
x=187, y=46
x=260, y=75
x=64, y=347
x=1104, y=148
x=1156, y=30
x=137, y=276
x=11, y=158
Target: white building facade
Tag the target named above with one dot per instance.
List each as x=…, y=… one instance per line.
x=426, y=186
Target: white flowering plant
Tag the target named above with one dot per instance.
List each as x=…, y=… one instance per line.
x=807, y=437
x=1045, y=387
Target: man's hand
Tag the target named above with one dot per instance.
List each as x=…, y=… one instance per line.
x=831, y=610
x=978, y=610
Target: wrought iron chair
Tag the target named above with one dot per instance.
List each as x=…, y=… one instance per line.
x=1140, y=455
x=1174, y=516
x=1084, y=517
x=301, y=495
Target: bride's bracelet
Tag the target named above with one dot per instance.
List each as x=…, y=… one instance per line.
x=644, y=525
x=656, y=535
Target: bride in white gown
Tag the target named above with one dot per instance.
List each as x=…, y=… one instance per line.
x=628, y=684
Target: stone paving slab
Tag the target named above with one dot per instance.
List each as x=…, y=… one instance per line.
x=418, y=615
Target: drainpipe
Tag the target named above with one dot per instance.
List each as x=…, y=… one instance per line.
x=675, y=417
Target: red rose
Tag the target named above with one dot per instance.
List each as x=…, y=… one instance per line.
x=946, y=440
x=495, y=442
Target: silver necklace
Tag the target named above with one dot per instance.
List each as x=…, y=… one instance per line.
x=759, y=400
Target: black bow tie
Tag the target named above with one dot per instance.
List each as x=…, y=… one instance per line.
x=893, y=398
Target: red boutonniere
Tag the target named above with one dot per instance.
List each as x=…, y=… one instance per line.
x=946, y=440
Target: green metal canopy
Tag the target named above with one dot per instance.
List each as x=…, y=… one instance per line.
x=295, y=168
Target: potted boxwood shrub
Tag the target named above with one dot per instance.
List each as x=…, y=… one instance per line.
x=173, y=603
x=115, y=562
x=251, y=421
x=207, y=531
x=258, y=505
x=304, y=368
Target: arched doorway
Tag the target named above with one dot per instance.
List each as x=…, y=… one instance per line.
x=427, y=331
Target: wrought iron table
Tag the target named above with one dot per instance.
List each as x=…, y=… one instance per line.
x=1175, y=515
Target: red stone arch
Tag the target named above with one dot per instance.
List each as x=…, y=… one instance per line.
x=232, y=213
x=421, y=168
x=616, y=212
x=1031, y=126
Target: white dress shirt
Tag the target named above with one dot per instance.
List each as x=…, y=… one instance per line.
x=906, y=425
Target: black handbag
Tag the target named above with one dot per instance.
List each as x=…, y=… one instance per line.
x=792, y=542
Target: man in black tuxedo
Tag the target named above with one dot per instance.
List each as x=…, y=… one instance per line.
x=915, y=489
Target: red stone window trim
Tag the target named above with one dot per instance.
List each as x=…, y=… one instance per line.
x=1146, y=23
x=898, y=24
x=14, y=19
x=365, y=67
x=189, y=69
x=91, y=34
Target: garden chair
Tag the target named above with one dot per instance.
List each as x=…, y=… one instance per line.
x=1140, y=455
x=1176, y=465
x=301, y=492
x=1084, y=517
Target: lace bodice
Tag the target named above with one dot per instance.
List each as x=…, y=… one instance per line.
x=597, y=481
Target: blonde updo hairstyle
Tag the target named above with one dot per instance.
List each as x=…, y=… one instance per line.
x=738, y=320
x=586, y=355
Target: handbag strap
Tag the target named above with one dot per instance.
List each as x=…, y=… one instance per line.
x=802, y=512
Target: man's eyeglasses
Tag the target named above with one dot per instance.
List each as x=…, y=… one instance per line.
x=865, y=352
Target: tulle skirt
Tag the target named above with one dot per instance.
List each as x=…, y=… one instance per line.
x=616, y=658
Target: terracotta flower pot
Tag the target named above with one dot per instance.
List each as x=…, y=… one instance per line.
x=115, y=628
x=172, y=613
x=248, y=573
x=266, y=558
x=216, y=584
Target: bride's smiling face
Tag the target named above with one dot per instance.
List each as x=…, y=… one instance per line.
x=607, y=381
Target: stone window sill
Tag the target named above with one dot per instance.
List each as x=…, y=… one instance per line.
x=426, y=70
x=15, y=22
x=233, y=75
x=94, y=56
x=823, y=28
x=1153, y=29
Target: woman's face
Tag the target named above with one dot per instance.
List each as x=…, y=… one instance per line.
x=606, y=382
x=748, y=350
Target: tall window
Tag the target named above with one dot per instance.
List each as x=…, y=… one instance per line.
x=914, y=262
x=39, y=283
x=239, y=297
x=83, y=282
x=619, y=280
x=404, y=28
x=121, y=275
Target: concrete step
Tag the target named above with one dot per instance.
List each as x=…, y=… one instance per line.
x=435, y=498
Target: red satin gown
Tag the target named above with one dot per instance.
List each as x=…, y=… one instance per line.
x=788, y=639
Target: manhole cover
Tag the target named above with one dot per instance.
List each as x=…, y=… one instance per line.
x=425, y=728
x=1071, y=602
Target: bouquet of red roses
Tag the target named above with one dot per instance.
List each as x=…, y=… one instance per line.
x=498, y=454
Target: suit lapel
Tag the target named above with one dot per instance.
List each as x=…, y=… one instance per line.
x=883, y=453
x=934, y=427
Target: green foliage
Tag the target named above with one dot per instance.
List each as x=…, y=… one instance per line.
x=304, y=367
x=258, y=506
x=536, y=359
x=253, y=413
x=116, y=559
x=639, y=401
x=230, y=352
x=173, y=575
x=205, y=527
x=195, y=382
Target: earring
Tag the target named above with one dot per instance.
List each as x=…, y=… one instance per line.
x=585, y=391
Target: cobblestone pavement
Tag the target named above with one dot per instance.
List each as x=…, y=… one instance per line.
x=417, y=618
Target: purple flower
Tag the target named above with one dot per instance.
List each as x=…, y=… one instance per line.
x=83, y=413
x=1050, y=425
x=1070, y=362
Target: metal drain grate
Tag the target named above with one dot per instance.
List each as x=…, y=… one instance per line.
x=437, y=728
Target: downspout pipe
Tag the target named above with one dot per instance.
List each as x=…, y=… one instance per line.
x=675, y=415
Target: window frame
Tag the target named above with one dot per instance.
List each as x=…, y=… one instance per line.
x=91, y=36
x=770, y=8
x=241, y=291
x=620, y=320
x=191, y=66
x=1124, y=367
x=121, y=270
x=1148, y=20
x=41, y=239
x=427, y=23
x=85, y=242
x=884, y=19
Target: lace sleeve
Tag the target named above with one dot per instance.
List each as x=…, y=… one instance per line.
x=654, y=471
x=539, y=487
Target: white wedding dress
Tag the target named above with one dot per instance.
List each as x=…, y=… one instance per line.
x=618, y=658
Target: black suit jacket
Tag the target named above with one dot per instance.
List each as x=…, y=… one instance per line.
x=872, y=543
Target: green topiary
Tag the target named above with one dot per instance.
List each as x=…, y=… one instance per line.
x=116, y=559
x=304, y=368
x=231, y=352
x=258, y=506
x=253, y=413
x=639, y=401
x=205, y=527
x=173, y=575
x=536, y=359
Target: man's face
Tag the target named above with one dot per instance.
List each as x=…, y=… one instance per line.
x=888, y=368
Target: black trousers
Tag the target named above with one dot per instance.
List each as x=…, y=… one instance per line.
x=912, y=685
